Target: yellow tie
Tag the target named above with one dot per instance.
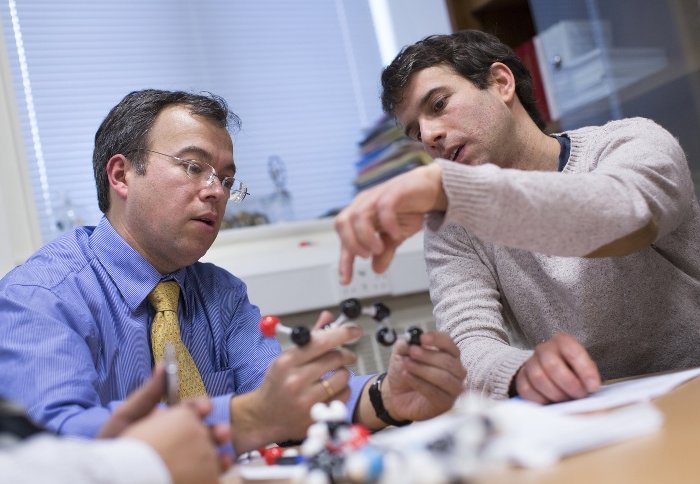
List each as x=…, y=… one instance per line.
x=166, y=328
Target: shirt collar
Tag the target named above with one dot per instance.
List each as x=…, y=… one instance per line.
x=133, y=276
x=564, y=149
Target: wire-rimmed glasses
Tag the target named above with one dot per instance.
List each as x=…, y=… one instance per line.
x=204, y=173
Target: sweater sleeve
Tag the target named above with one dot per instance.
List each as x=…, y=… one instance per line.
x=620, y=178
x=468, y=307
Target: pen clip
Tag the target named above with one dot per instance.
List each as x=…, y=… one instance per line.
x=171, y=381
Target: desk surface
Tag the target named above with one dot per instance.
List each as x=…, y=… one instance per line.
x=669, y=455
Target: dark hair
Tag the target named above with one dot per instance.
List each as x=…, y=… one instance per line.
x=470, y=53
x=126, y=128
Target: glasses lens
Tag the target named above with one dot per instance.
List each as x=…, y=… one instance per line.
x=227, y=183
x=238, y=191
x=199, y=171
x=205, y=174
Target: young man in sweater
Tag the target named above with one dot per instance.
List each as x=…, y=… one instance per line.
x=554, y=261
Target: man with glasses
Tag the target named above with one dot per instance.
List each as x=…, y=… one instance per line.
x=78, y=316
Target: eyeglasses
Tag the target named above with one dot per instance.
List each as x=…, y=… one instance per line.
x=205, y=174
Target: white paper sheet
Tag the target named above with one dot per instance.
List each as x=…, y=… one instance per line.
x=524, y=433
x=532, y=437
x=625, y=392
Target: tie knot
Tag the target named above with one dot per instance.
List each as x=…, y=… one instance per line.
x=165, y=296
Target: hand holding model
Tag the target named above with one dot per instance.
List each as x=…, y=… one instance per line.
x=280, y=408
x=423, y=380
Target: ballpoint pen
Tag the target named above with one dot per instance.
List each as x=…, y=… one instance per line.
x=171, y=381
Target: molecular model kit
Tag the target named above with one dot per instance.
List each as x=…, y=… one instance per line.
x=477, y=434
x=350, y=310
x=334, y=449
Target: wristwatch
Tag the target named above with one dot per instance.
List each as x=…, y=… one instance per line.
x=375, y=397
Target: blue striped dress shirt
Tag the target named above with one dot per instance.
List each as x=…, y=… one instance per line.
x=75, y=325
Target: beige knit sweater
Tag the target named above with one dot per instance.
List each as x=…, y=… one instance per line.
x=506, y=267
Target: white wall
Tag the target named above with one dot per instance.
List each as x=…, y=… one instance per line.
x=19, y=232
x=397, y=22
x=402, y=22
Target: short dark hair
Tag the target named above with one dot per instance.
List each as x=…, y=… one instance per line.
x=126, y=128
x=470, y=53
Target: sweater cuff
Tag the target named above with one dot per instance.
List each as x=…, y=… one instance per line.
x=504, y=373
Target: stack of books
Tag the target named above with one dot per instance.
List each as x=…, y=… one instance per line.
x=386, y=152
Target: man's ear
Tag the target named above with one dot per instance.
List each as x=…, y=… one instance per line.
x=503, y=80
x=117, y=169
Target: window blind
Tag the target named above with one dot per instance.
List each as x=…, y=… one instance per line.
x=304, y=83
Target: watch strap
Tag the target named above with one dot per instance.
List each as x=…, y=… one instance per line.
x=375, y=397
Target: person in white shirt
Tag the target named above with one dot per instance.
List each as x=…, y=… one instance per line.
x=139, y=444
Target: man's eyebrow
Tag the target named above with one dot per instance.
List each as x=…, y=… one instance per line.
x=201, y=154
x=195, y=152
x=421, y=106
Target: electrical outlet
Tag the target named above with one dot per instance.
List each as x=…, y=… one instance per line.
x=365, y=282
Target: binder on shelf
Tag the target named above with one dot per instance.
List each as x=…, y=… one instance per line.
x=386, y=152
x=528, y=54
x=391, y=168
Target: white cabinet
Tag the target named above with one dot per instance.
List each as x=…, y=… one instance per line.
x=581, y=65
x=603, y=60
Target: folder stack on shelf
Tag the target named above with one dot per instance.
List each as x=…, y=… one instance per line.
x=386, y=152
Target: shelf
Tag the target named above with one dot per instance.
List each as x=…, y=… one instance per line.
x=636, y=92
x=487, y=4
x=510, y=20
x=293, y=267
